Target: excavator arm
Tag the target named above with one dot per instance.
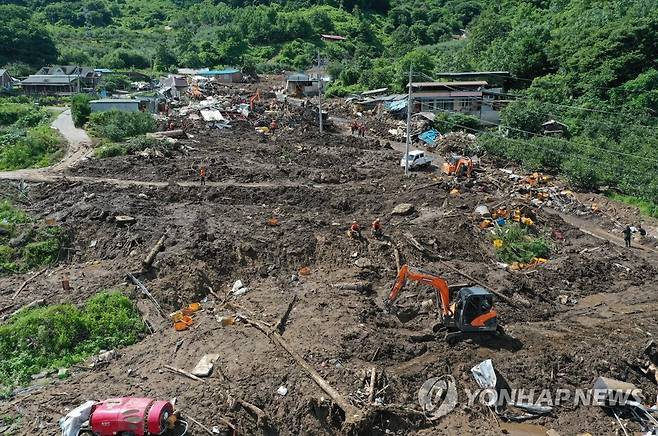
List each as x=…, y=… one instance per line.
x=441, y=286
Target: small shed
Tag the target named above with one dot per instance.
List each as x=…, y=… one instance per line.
x=118, y=104
x=228, y=75
x=554, y=128
x=6, y=81
x=299, y=84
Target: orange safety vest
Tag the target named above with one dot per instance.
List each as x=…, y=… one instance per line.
x=202, y=171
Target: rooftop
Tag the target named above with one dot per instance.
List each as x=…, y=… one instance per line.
x=50, y=80
x=115, y=100
x=475, y=74
x=474, y=83
x=334, y=37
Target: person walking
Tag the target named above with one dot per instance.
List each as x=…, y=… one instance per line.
x=202, y=175
x=627, y=236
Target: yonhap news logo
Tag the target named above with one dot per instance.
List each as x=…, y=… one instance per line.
x=438, y=396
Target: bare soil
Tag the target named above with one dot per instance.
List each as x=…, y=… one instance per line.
x=315, y=186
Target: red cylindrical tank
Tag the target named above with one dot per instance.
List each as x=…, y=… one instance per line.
x=140, y=416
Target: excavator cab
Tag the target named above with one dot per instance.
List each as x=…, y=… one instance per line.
x=474, y=311
x=460, y=166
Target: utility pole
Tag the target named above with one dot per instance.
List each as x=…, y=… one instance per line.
x=319, y=93
x=406, y=154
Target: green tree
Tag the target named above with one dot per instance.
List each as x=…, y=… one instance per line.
x=80, y=109
x=23, y=40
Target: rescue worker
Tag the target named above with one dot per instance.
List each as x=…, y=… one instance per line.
x=377, y=228
x=274, y=126
x=354, y=127
x=202, y=175
x=362, y=130
x=627, y=236
x=355, y=230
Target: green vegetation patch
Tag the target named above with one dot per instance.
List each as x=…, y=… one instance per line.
x=117, y=126
x=646, y=207
x=26, y=139
x=133, y=146
x=60, y=335
x=518, y=245
x=24, y=246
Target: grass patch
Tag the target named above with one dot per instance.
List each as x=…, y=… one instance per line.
x=117, y=126
x=24, y=246
x=26, y=138
x=518, y=245
x=646, y=207
x=133, y=146
x=110, y=150
x=58, y=336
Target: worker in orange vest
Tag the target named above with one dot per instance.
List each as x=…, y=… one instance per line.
x=355, y=230
x=377, y=228
x=202, y=175
x=273, y=126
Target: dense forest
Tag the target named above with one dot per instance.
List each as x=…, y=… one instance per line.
x=590, y=64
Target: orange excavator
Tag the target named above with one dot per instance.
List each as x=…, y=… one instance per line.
x=459, y=166
x=470, y=311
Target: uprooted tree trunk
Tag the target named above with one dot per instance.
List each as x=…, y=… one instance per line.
x=357, y=421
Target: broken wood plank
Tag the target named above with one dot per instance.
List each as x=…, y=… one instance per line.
x=281, y=324
x=34, y=276
x=371, y=388
x=359, y=287
x=150, y=258
x=261, y=416
x=183, y=373
x=396, y=253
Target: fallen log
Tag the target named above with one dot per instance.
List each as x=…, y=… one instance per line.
x=150, y=258
x=27, y=306
x=34, y=276
x=178, y=133
x=353, y=415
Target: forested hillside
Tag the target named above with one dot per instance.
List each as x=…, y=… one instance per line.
x=590, y=64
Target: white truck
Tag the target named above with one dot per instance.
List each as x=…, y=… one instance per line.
x=417, y=159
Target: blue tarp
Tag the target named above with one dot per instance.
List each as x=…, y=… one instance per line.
x=218, y=72
x=395, y=106
x=430, y=136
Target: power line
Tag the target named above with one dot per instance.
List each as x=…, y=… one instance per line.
x=577, y=108
x=560, y=152
x=593, y=147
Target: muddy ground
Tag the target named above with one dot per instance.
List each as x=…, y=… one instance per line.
x=314, y=187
